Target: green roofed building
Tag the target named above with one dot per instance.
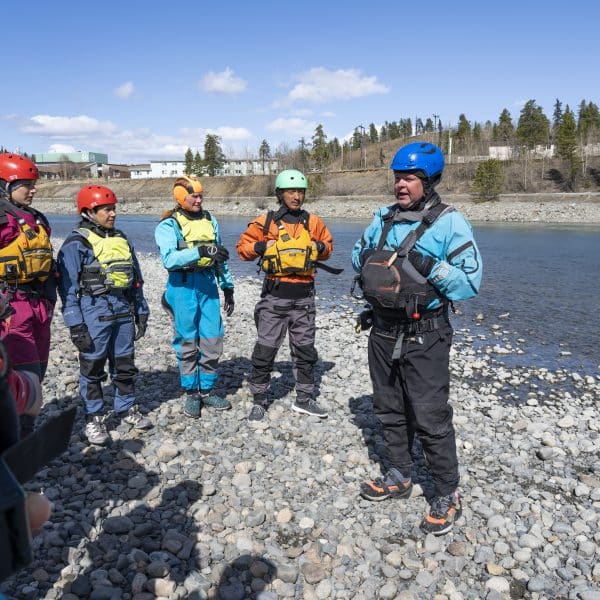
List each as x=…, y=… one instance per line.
x=74, y=157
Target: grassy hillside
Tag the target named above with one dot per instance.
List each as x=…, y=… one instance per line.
x=548, y=176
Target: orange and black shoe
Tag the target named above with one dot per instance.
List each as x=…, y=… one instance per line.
x=444, y=511
x=392, y=485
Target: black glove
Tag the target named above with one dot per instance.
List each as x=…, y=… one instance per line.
x=218, y=253
x=229, y=304
x=141, y=322
x=320, y=247
x=80, y=336
x=423, y=264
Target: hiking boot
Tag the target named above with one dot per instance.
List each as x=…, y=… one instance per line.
x=392, y=485
x=95, y=430
x=444, y=511
x=214, y=401
x=135, y=418
x=309, y=407
x=257, y=413
x=192, y=404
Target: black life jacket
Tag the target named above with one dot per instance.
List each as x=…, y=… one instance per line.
x=388, y=280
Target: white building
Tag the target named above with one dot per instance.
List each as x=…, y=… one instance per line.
x=140, y=171
x=167, y=168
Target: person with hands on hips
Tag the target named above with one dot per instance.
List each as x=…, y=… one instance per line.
x=191, y=250
x=414, y=259
x=100, y=284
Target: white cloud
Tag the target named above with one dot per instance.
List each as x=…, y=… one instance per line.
x=224, y=82
x=63, y=127
x=65, y=134
x=61, y=148
x=125, y=90
x=293, y=125
x=322, y=85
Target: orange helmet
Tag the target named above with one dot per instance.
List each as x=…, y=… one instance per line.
x=188, y=184
x=92, y=196
x=15, y=166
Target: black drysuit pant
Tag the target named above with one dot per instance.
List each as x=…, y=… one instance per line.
x=410, y=395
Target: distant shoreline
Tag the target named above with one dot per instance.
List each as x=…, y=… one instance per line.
x=510, y=208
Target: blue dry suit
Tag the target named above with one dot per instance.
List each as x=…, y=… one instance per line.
x=109, y=315
x=458, y=269
x=192, y=296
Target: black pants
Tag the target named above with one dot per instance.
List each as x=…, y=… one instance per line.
x=410, y=395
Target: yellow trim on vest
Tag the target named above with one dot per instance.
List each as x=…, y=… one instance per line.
x=197, y=232
x=28, y=257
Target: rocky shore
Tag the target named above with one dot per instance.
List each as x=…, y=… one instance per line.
x=511, y=208
x=219, y=508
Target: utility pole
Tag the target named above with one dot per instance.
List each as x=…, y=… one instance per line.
x=435, y=120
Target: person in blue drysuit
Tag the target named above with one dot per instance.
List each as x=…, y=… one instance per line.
x=191, y=250
x=411, y=336
x=101, y=288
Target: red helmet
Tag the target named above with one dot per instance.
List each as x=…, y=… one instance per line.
x=92, y=196
x=14, y=166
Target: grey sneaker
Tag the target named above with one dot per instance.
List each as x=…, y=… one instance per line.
x=214, y=401
x=95, y=430
x=135, y=418
x=192, y=405
x=310, y=407
x=257, y=413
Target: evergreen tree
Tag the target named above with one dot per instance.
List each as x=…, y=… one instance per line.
x=463, y=132
x=334, y=148
x=419, y=127
x=383, y=133
x=488, y=179
x=428, y=128
x=264, y=153
x=505, y=130
x=588, y=122
x=393, y=131
x=188, y=169
x=477, y=132
x=303, y=154
x=356, y=139
x=198, y=165
x=566, y=143
x=373, y=137
x=320, y=150
x=533, y=127
x=557, y=115
x=214, y=158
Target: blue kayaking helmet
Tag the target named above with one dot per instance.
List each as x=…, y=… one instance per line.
x=422, y=158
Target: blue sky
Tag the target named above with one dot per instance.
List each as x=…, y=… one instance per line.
x=143, y=81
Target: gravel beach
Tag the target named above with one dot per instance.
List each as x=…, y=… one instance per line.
x=510, y=208
x=219, y=508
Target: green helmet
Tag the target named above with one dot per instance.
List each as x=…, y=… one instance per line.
x=291, y=179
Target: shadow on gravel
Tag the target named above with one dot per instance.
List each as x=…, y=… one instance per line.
x=365, y=419
x=247, y=572
x=232, y=374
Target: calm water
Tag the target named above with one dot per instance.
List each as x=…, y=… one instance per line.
x=546, y=277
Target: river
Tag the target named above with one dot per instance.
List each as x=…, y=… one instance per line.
x=546, y=277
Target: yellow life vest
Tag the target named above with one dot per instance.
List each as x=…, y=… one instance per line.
x=196, y=232
x=113, y=268
x=290, y=255
x=28, y=257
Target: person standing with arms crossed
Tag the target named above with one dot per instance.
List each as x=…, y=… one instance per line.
x=415, y=258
